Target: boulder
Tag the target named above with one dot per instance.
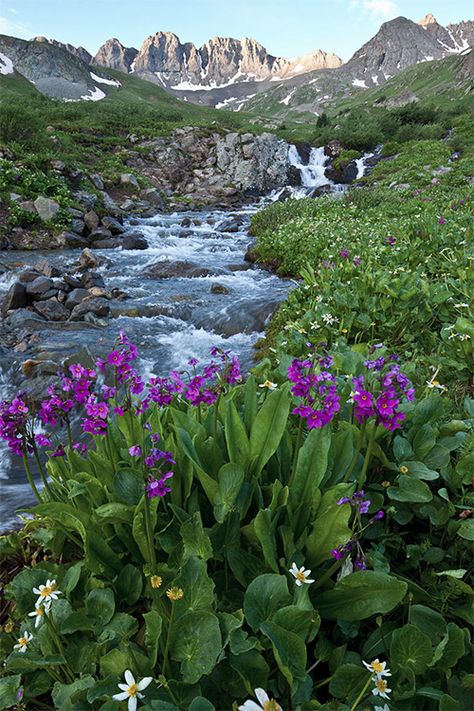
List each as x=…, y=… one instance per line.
x=71, y=240
x=333, y=149
x=77, y=226
x=46, y=208
x=134, y=240
x=52, y=310
x=47, y=269
x=96, y=181
x=113, y=225
x=74, y=212
x=16, y=297
x=129, y=179
x=128, y=205
x=100, y=233
x=36, y=288
x=76, y=297
x=155, y=197
x=174, y=269
x=219, y=289
x=28, y=205
x=88, y=260
x=72, y=281
x=87, y=200
x=110, y=243
x=97, y=306
x=28, y=275
x=90, y=279
x=91, y=220
x=22, y=319
x=109, y=204
x=58, y=165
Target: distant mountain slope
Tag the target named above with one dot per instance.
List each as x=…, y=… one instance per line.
x=78, y=52
x=398, y=45
x=53, y=69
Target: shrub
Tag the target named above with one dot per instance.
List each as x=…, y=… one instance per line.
x=21, y=125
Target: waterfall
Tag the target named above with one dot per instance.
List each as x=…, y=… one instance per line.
x=361, y=164
x=312, y=175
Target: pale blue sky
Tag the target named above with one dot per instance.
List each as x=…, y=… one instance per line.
x=286, y=28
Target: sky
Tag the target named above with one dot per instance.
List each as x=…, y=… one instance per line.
x=286, y=28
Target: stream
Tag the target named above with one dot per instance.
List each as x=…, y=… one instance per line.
x=170, y=319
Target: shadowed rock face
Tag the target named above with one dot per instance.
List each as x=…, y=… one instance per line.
x=78, y=52
x=222, y=60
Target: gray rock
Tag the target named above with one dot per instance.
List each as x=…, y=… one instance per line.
x=72, y=240
x=47, y=269
x=88, y=260
x=28, y=275
x=173, y=269
x=46, y=208
x=91, y=220
x=72, y=281
x=50, y=294
x=87, y=200
x=155, y=197
x=78, y=214
x=219, y=289
x=22, y=319
x=113, y=225
x=110, y=243
x=78, y=226
x=39, y=286
x=97, y=306
x=76, y=297
x=28, y=205
x=128, y=205
x=110, y=205
x=134, y=240
x=100, y=233
x=96, y=181
x=16, y=297
x=15, y=197
x=91, y=279
x=129, y=179
x=52, y=310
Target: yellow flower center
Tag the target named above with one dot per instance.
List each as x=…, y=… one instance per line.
x=381, y=685
x=133, y=690
x=46, y=591
x=377, y=667
x=270, y=705
x=39, y=611
x=175, y=593
x=404, y=470
x=22, y=641
x=155, y=581
x=300, y=576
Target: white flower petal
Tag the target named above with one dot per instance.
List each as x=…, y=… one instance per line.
x=144, y=683
x=132, y=703
x=124, y=687
x=262, y=696
x=250, y=706
x=129, y=677
x=120, y=697
x=298, y=583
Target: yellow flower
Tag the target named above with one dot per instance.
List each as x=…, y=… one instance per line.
x=268, y=384
x=404, y=470
x=156, y=581
x=385, y=484
x=175, y=593
x=9, y=627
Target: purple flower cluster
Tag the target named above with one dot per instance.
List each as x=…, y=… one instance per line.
x=120, y=359
x=357, y=501
x=389, y=389
x=318, y=392
x=13, y=421
x=158, y=487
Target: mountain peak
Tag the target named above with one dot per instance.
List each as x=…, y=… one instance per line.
x=428, y=19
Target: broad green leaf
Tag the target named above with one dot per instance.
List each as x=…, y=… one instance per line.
x=236, y=438
x=429, y=621
x=9, y=686
x=289, y=651
x=21, y=588
x=201, y=704
x=466, y=529
x=453, y=650
x=196, y=542
x=231, y=478
x=207, y=482
x=410, y=489
x=360, y=595
x=100, y=605
x=128, y=487
x=115, y=662
x=420, y=470
x=198, y=587
x=65, y=696
x=301, y=622
x=114, y=512
x=330, y=527
x=266, y=536
x=153, y=623
x=196, y=643
x=310, y=469
x=348, y=681
x=129, y=584
x=268, y=427
x=264, y=596
x=71, y=577
x=410, y=648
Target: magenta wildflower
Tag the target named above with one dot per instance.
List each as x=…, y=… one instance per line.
x=42, y=441
x=318, y=391
x=135, y=451
x=158, y=487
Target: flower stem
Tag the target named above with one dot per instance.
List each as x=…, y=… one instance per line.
x=149, y=535
x=368, y=454
x=354, y=706
x=357, y=452
x=299, y=436
x=42, y=472
x=168, y=639
x=29, y=475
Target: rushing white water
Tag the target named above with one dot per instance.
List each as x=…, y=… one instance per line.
x=312, y=173
x=361, y=164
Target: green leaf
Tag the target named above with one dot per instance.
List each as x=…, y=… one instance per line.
x=65, y=696
x=114, y=512
x=238, y=445
x=450, y=653
x=9, y=686
x=410, y=489
x=268, y=427
x=311, y=467
x=71, y=577
x=289, y=651
x=128, y=487
x=207, y=482
x=296, y=620
x=330, y=527
x=196, y=542
x=466, y=529
x=410, y=648
x=447, y=703
x=129, y=584
x=196, y=643
x=100, y=605
x=360, y=595
x=197, y=585
x=347, y=681
x=263, y=529
x=75, y=622
x=429, y=621
x=153, y=624
x=420, y=470
x=114, y=662
x=263, y=597
x=231, y=478
x=201, y=704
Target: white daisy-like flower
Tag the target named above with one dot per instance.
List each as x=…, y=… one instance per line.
x=301, y=575
x=381, y=689
x=39, y=612
x=131, y=690
x=327, y=318
x=268, y=384
x=435, y=385
x=377, y=667
x=265, y=703
x=47, y=592
x=23, y=642
x=385, y=707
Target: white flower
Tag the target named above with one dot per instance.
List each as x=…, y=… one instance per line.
x=39, y=612
x=301, y=575
x=23, y=642
x=378, y=668
x=381, y=689
x=131, y=690
x=461, y=306
x=47, y=592
x=268, y=384
x=327, y=318
x=265, y=702
x=385, y=707
x=435, y=384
